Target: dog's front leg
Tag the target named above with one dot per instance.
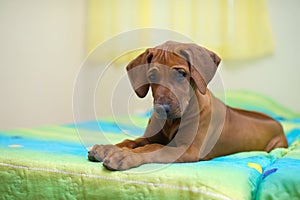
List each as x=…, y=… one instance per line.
x=131, y=144
x=125, y=155
x=117, y=158
x=151, y=153
x=99, y=152
x=126, y=159
x=122, y=160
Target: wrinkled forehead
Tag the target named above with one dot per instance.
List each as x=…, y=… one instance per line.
x=167, y=58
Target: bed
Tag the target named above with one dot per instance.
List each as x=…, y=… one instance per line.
x=51, y=163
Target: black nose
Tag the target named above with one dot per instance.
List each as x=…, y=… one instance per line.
x=162, y=109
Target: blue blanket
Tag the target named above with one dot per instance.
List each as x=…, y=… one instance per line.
x=51, y=162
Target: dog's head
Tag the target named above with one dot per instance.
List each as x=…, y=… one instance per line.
x=172, y=70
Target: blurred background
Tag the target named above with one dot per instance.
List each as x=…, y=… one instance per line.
x=44, y=44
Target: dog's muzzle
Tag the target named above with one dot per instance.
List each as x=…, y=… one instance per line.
x=163, y=110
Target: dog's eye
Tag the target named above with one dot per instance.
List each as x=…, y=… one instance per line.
x=182, y=73
x=179, y=75
x=152, y=77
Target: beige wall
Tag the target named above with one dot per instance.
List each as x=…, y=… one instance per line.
x=43, y=46
x=278, y=75
x=41, y=49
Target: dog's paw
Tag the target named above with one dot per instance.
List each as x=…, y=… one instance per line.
x=122, y=160
x=99, y=152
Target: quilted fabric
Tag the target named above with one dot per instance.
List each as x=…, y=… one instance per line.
x=51, y=163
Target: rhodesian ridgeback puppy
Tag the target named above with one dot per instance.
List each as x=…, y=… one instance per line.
x=188, y=124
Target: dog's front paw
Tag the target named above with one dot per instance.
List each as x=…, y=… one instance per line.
x=99, y=152
x=122, y=160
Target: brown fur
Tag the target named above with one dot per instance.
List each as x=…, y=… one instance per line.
x=188, y=124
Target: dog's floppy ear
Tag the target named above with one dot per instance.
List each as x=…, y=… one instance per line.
x=137, y=73
x=203, y=64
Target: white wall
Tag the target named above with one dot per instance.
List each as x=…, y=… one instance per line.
x=42, y=45
x=278, y=75
x=41, y=49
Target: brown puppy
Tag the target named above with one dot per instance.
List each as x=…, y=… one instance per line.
x=188, y=123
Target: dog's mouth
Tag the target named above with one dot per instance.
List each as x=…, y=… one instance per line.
x=166, y=111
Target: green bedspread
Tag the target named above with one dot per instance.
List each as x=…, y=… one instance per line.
x=51, y=163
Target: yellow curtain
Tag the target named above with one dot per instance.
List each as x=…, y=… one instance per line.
x=235, y=29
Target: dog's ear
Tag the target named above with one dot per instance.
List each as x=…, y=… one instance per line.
x=203, y=64
x=137, y=73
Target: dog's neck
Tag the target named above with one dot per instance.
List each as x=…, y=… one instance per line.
x=196, y=115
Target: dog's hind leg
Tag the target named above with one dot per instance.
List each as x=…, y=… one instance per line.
x=277, y=142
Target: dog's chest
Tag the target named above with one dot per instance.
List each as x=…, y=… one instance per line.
x=170, y=128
